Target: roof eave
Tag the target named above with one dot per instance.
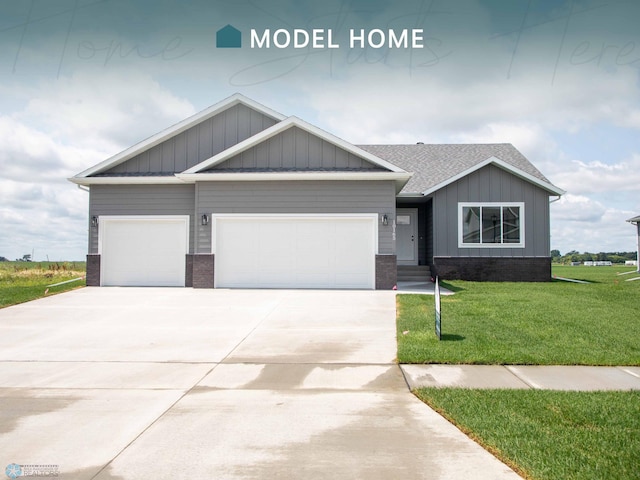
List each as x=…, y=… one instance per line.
x=153, y=180
x=400, y=178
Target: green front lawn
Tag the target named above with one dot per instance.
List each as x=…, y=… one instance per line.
x=549, y=434
x=24, y=281
x=527, y=323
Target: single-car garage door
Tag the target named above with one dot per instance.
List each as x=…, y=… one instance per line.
x=143, y=251
x=295, y=251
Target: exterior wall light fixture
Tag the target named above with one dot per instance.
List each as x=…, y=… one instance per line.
x=94, y=221
x=385, y=219
x=205, y=219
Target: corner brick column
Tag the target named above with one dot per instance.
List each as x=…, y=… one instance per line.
x=93, y=270
x=188, y=271
x=386, y=272
x=203, y=271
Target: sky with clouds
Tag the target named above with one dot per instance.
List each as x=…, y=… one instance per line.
x=81, y=80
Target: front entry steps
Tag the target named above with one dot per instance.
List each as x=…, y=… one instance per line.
x=414, y=273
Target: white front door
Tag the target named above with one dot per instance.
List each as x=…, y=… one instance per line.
x=407, y=236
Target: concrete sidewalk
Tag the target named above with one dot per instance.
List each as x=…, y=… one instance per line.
x=552, y=377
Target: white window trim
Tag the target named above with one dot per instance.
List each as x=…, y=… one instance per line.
x=462, y=205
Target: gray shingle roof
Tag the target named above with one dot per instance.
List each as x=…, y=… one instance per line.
x=433, y=164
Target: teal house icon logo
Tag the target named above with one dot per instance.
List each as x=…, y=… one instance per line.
x=228, y=37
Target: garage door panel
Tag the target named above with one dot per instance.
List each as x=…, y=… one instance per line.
x=299, y=252
x=143, y=252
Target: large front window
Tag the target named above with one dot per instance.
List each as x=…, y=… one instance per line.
x=491, y=225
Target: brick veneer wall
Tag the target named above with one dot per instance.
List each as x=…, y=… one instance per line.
x=494, y=269
x=93, y=270
x=203, y=271
x=188, y=271
x=386, y=272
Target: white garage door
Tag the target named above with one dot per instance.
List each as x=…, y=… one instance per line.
x=143, y=251
x=271, y=251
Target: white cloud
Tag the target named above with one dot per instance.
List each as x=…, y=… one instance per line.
x=67, y=126
x=593, y=177
x=583, y=224
x=107, y=110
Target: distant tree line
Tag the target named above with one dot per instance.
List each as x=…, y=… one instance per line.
x=25, y=258
x=575, y=256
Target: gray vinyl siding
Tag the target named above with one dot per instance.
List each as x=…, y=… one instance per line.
x=141, y=200
x=198, y=143
x=295, y=149
x=297, y=197
x=491, y=184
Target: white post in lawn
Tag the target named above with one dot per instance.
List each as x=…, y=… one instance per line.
x=636, y=221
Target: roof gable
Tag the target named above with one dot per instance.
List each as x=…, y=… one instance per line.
x=308, y=134
x=294, y=149
x=436, y=166
x=197, y=131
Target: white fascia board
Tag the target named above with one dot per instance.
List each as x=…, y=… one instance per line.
x=281, y=127
x=87, y=181
x=279, y=176
x=179, y=128
x=505, y=166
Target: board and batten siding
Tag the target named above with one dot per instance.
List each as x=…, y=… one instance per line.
x=313, y=197
x=295, y=149
x=491, y=184
x=141, y=200
x=198, y=143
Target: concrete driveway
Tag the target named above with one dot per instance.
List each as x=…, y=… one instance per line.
x=111, y=383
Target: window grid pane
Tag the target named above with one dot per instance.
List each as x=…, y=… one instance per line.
x=511, y=224
x=471, y=224
x=491, y=225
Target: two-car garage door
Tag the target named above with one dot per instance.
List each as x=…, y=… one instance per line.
x=295, y=251
x=251, y=251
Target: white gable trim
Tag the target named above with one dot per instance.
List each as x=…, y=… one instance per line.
x=503, y=165
x=179, y=128
x=281, y=127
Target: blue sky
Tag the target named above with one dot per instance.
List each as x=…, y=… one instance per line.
x=80, y=80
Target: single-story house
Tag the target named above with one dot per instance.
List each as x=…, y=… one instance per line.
x=239, y=195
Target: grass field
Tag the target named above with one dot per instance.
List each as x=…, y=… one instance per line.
x=550, y=434
x=541, y=434
x=528, y=323
x=24, y=281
